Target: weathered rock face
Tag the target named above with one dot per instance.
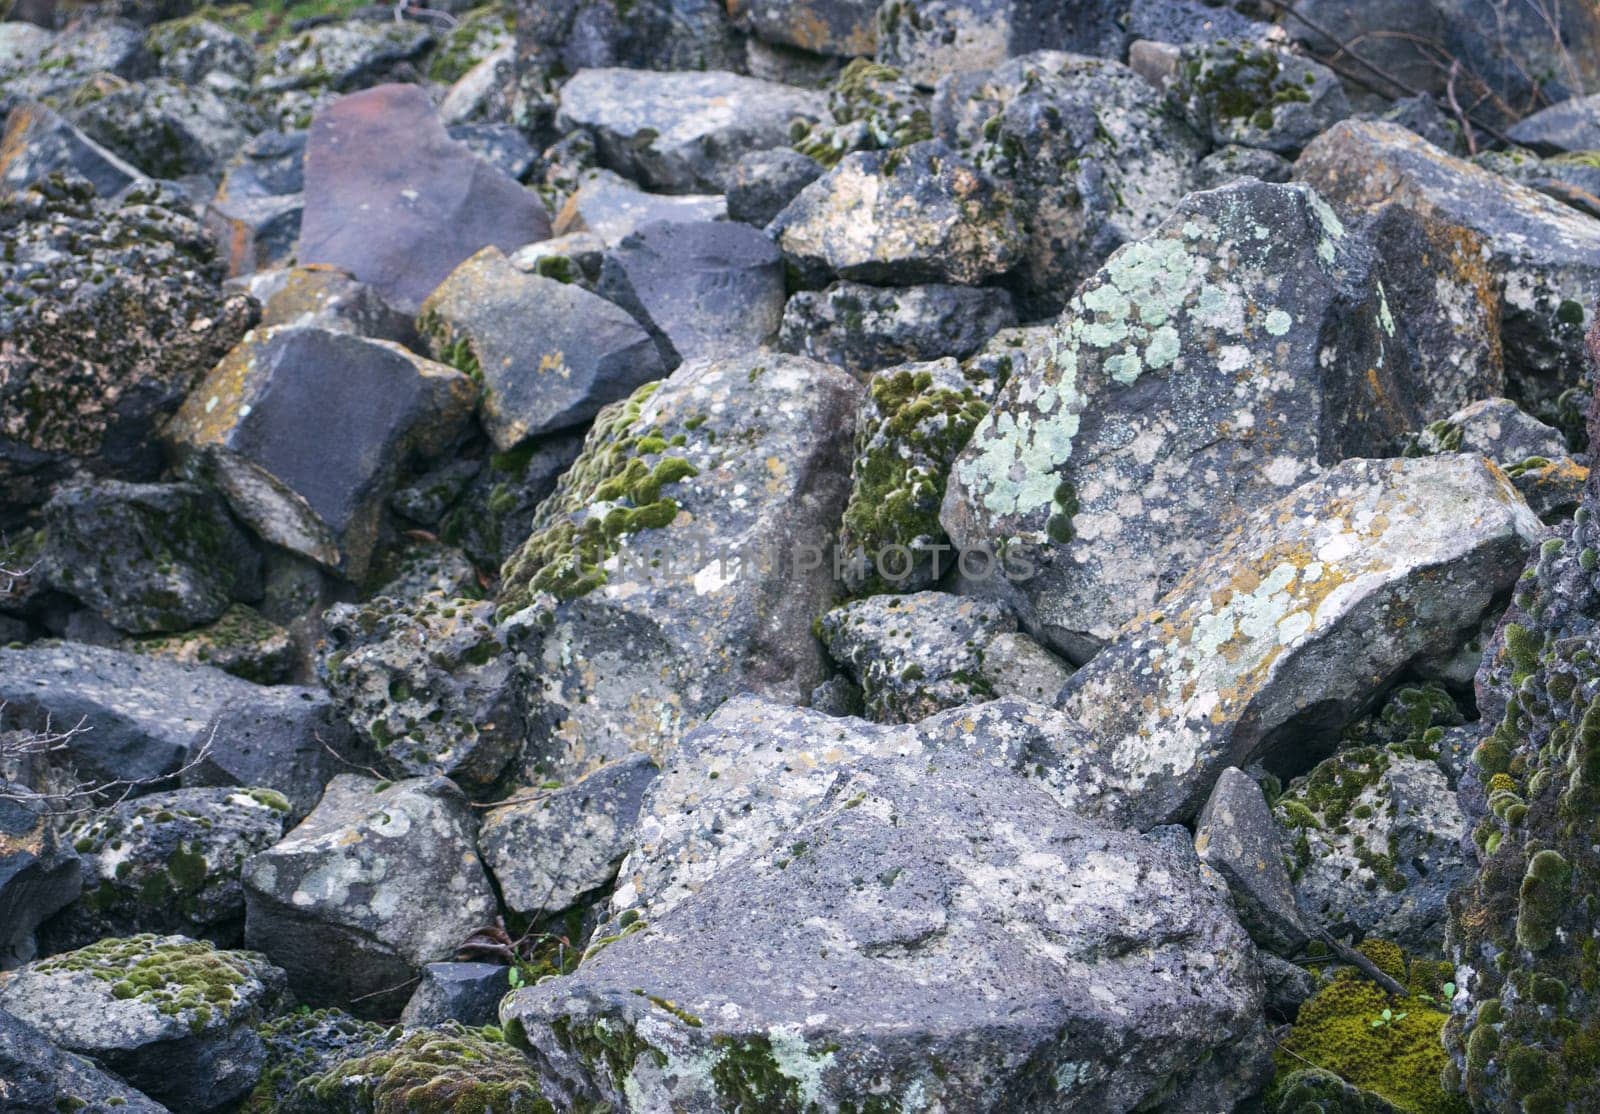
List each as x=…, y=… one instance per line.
x=466, y=992
x=305, y=458
x=570, y=35
x=871, y=107
x=1569, y=125
x=376, y=882
x=684, y=555
x=1235, y=835
x=549, y=354
x=1202, y=371
x=681, y=132
x=1228, y=164
x=392, y=199
x=1296, y=620
x=1257, y=96
x=165, y=128
x=118, y=313
x=255, y=213
x=842, y=27
x=194, y=51
x=38, y=143
x=302, y=1046
x=763, y=182
x=865, y=328
x=172, y=1016
x=304, y=73
x=39, y=873
x=79, y=52
x=970, y=872
x=41, y=1077
x=324, y=297
x=1573, y=180
x=612, y=208
x=1533, y=454
x=1543, y=255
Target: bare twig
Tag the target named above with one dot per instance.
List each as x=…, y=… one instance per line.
x=317, y=735
x=68, y=801
x=1362, y=963
x=1455, y=106
x=387, y=989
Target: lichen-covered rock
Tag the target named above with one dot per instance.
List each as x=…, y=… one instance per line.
x=1203, y=371
x=173, y=1016
x=466, y=992
x=42, y=1079
x=1543, y=255
x=163, y=127
x=1228, y=164
x=434, y=685
x=309, y=459
x=148, y=558
x=38, y=143
x=1297, y=620
x=167, y=863
x=682, y=558
x=612, y=208
x=933, y=930
x=549, y=354
x=763, y=182
x=563, y=37
x=1257, y=96
x=378, y=880
x=841, y=27
x=301, y=1046
x=931, y=39
x=871, y=107
x=681, y=132
x=196, y=50
x=77, y=53
x=255, y=213
x=477, y=34
x=304, y=72
x=1493, y=427
x=111, y=312
x=1235, y=835
x=39, y=872
x=559, y=846
x=917, y=214
x=321, y=296
x=865, y=328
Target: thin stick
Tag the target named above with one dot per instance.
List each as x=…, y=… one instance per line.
x=1362, y=963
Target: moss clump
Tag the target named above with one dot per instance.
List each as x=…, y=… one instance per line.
x=1541, y=899
x=1239, y=83
x=873, y=109
x=747, y=1077
x=476, y=35
x=451, y=1069
x=185, y=978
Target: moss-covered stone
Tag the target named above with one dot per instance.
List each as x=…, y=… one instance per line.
x=448, y=1070
x=873, y=108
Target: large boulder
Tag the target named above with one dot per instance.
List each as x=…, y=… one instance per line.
x=1297, y=620
x=1204, y=370
x=41, y=1078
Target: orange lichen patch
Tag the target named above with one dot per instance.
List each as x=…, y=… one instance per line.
x=213, y=409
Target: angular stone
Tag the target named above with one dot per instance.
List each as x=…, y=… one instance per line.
x=1297, y=620
x=241, y=642
x=958, y=907
x=375, y=883
x=308, y=459
x=1257, y=96
x=270, y=165
x=165, y=128
x=39, y=873
x=340, y=57
x=255, y=233
x=1236, y=836
x=871, y=107
x=575, y=257
x=919, y=214
x=324, y=297
x=763, y=182
x=1229, y=164
x=646, y=34
x=549, y=354
x=1204, y=370
x=392, y=199
x=466, y=992
x=612, y=208
x=1014, y=664
x=172, y=1016
x=1569, y=125
x=194, y=50
x=79, y=52
x=866, y=328
x=37, y=143
x=496, y=514
x=502, y=146
x=1493, y=427
x=681, y=132
x=41, y=1077
x=843, y=27
x=561, y=846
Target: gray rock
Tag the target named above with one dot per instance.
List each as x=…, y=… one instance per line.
x=950, y=905
x=1194, y=22
x=575, y=257
x=1288, y=627
x=871, y=107
x=612, y=208
x=706, y=290
x=562, y=846
x=496, y=514
x=681, y=132
x=1425, y=115
x=1257, y=96
x=78, y=53
x=1493, y=427
x=843, y=27
x=1573, y=180
x=1288, y=985
x=308, y=459
x=648, y=34
x=304, y=72
x=22, y=44
x=837, y=696
x=479, y=94
x=931, y=39
x=302, y=1046
x=42, y=1079
x=1014, y=664
x=148, y=557
x=500, y=145
x=1237, y=837
x=915, y=215
x=1113, y=464
x=270, y=165
x=172, y=1016
x=165, y=128
x=866, y=328
x=762, y=183
x=39, y=873
x=1229, y=164
x=321, y=296
x=1569, y=125
x=466, y=992
x=242, y=642
x=549, y=354
x=38, y=143
x=374, y=884
x=195, y=50
x=255, y=233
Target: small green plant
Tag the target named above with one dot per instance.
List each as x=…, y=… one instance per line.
x=1388, y=1018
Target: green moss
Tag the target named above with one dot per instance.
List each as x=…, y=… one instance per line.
x=271, y=798
x=747, y=1077
x=1541, y=899
x=451, y=1069
x=1241, y=83
x=188, y=978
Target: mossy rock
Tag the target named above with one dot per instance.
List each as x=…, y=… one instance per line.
x=451, y=1069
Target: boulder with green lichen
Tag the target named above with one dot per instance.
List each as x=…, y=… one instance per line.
x=241, y=641
x=1256, y=95
x=870, y=108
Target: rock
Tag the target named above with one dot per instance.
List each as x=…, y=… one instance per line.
x=167, y=863
x=1569, y=125
x=41, y=1078
x=434, y=686
x=1257, y=96
x=1573, y=180
x=165, y=128
x=1374, y=839
x=548, y=354
x=562, y=846
x=324, y=297
x=477, y=34
x=148, y=557
x=194, y=51
x=1493, y=427
x=915, y=215
x=37, y=143
x=306, y=459
x=871, y=107
x=301, y=1046
x=843, y=27
x=270, y=165
x=863, y=918
x=681, y=132
x=173, y=1016
x=39, y=874
x=763, y=182
x=575, y=257
x=1015, y=664
x=500, y=145
x=867, y=328
x=648, y=34
x=466, y=992
x=931, y=39
x=1113, y=463
x=375, y=883
x=1236, y=836
x=22, y=44
x=612, y=208
x=479, y=93
x=1320, y=599
x=730, y=473
x=303, y=73
x=78, y=53
x=122, y=313
x=242, y=642
x=1288, y=985
x=1542, y=255
x=255, y=233
x=397, y=203
x=1229, y=164
x=495, y=516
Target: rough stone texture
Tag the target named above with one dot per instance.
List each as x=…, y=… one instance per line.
x=871, y=107
x=167, y=863
x=1228, y=164
x=41, y=1078
x=392, y=199
x=165, y=128
x=170, y=1015
x=308, y=459
x=195, y=50
x=681, y=132
x=375, y=883
x=706, y=290
x=37, y=143
x=495, y=515
x=563, y=845
x=1543, y=256
x=255, y=213
x=548, y=354
x=865, y=328
x=844, y=27
x=919, y=214
x=1204, y=370
x=1569, y=125
x=39, y=873
x=500, y=145
x=77, y=53
x=1257, y=96
x=148, y=557
x=1020, y=957
x=301, y=1047
x=242, y=642
x=763, y=182
x=1236, y=836
x=119, y=314
x=737, y=513
x=1493, y=427
x=1015, y=664
x=1573, y=180
x=1298, y=619
x=613, y=208
x=303, y=73
x=648, y=34
x=320, y=296
x=466, y=992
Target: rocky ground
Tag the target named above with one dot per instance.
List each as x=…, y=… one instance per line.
x=800, y=555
